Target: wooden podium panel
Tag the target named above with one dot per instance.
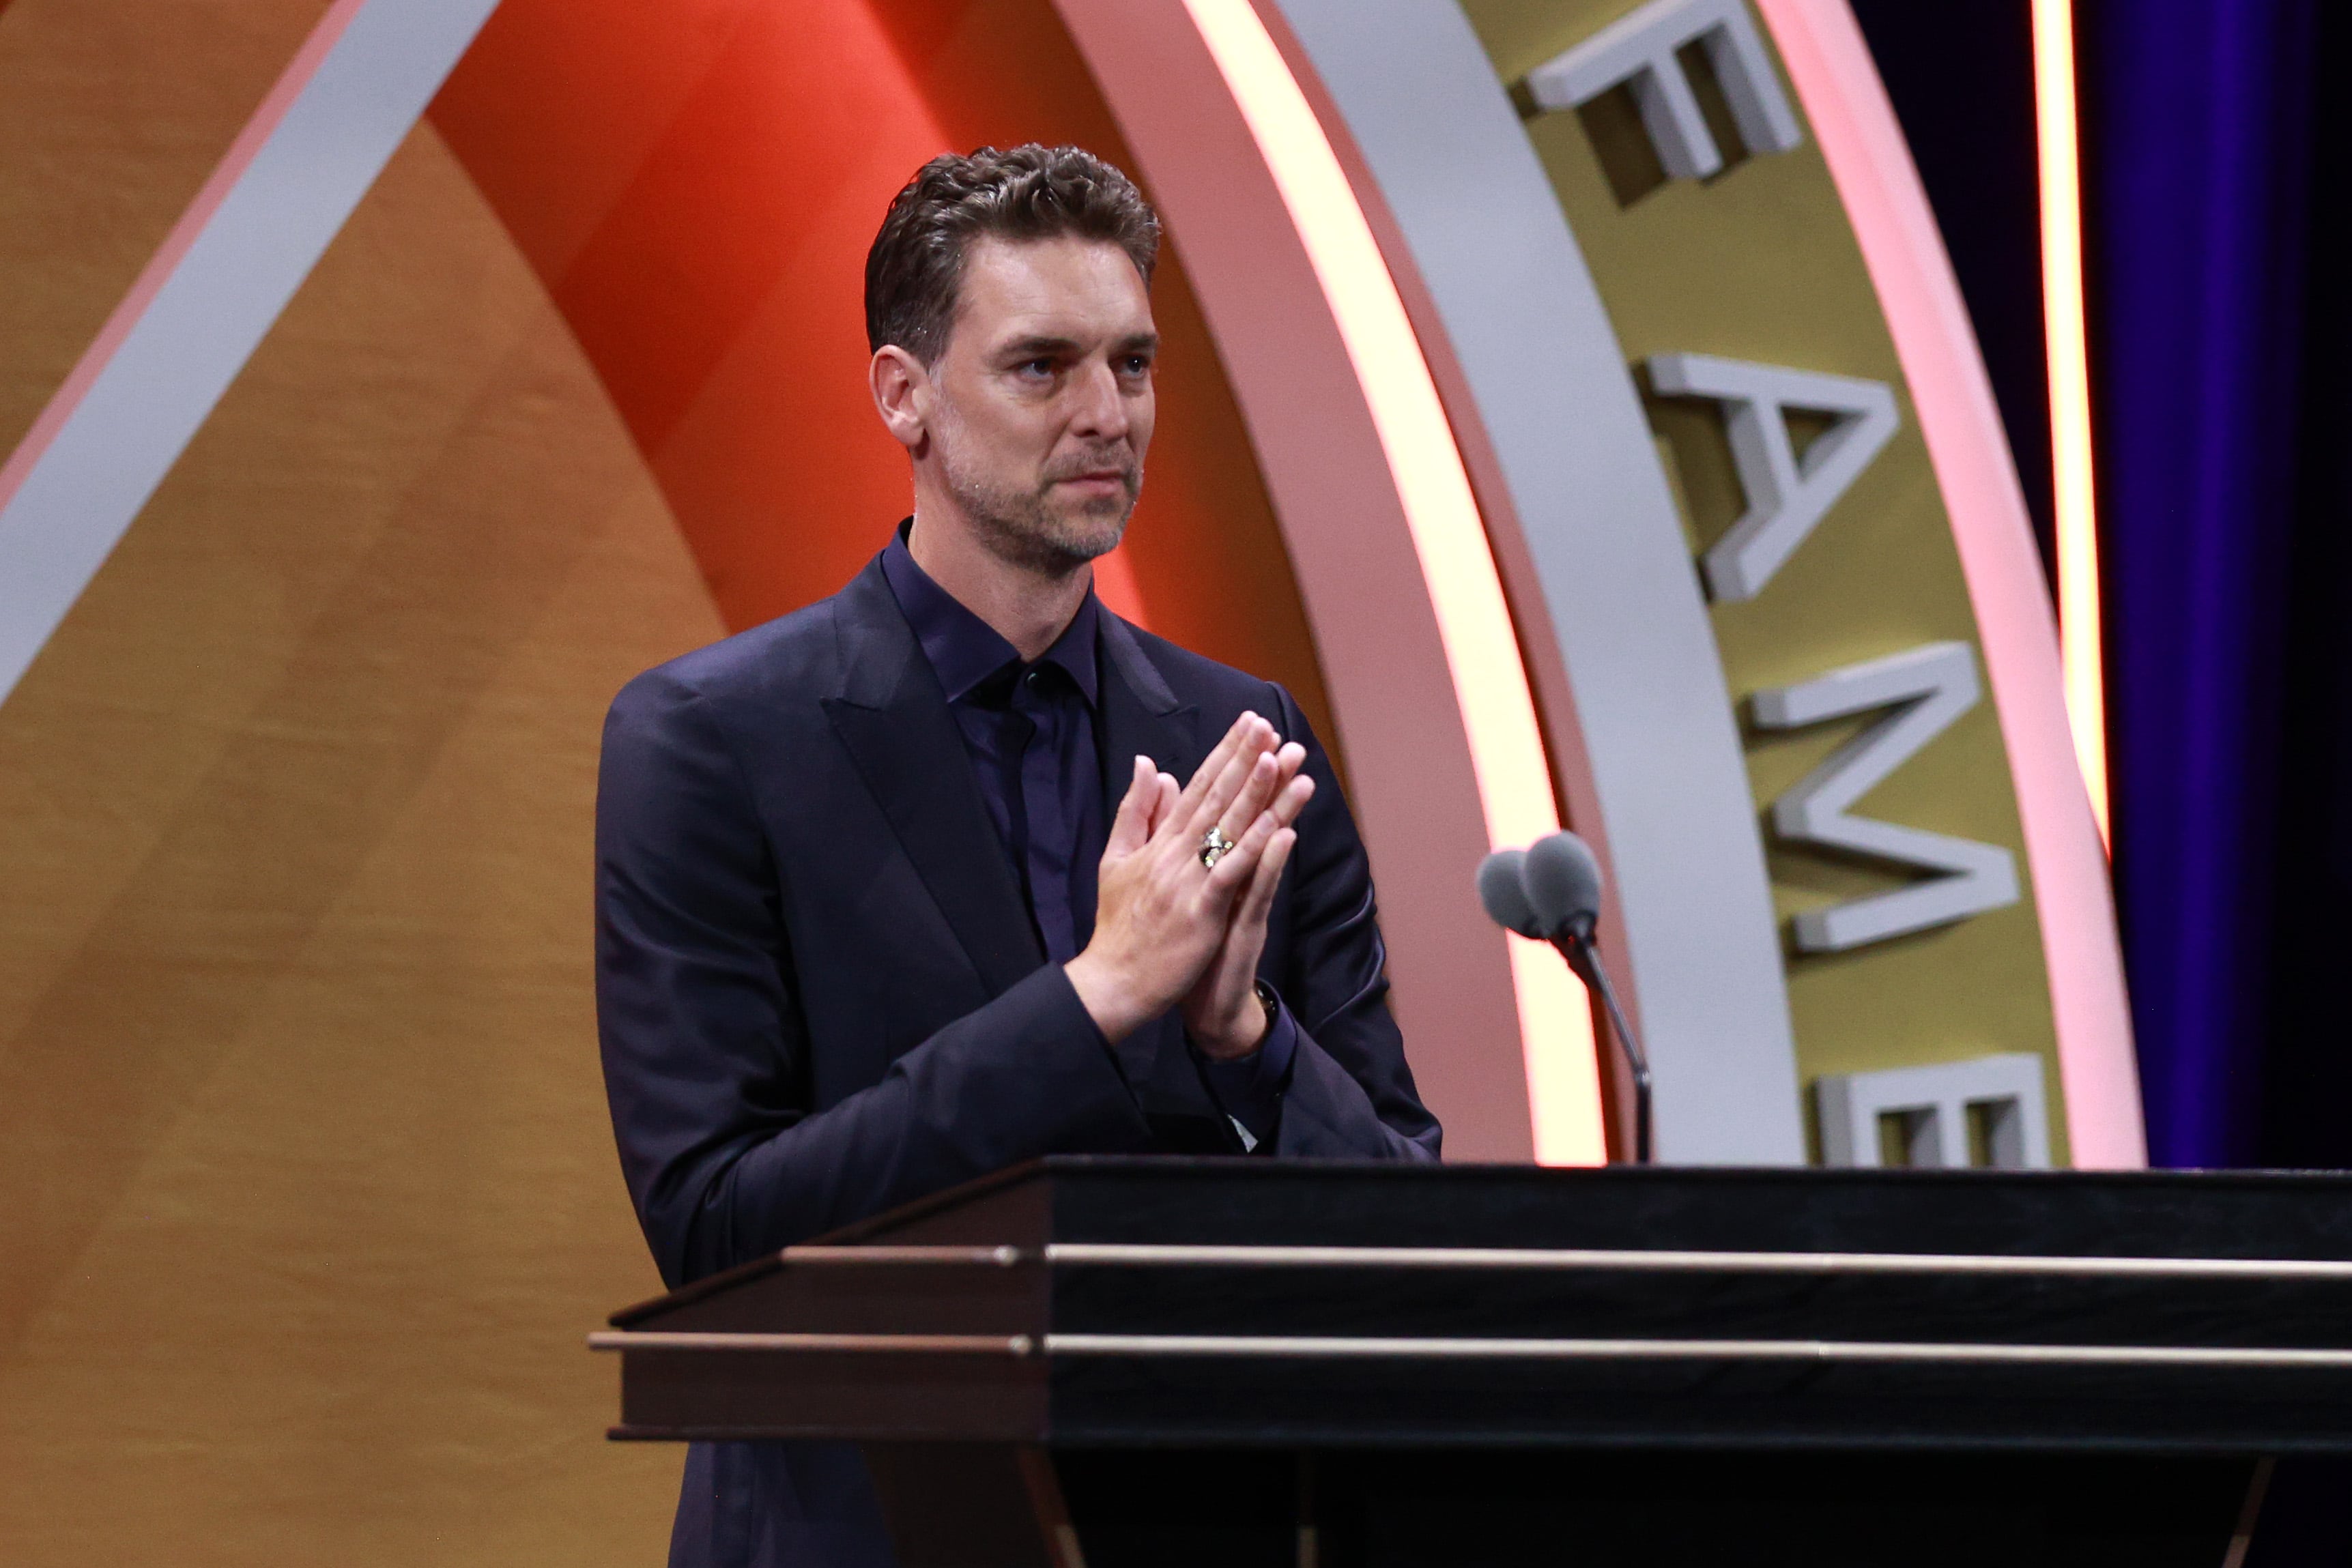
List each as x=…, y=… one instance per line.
x=1344, y=1359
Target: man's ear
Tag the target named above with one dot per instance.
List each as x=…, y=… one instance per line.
x=902, y=394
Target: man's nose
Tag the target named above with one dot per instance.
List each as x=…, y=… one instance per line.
x=1101, y=411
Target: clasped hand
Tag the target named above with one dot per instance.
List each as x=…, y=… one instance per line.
x=1169, y=929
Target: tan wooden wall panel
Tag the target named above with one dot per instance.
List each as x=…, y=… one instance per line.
x=112, y=113
x=307, y=1195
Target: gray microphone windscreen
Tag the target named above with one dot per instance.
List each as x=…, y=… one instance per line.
x=1563, y=883
x=1504, y=893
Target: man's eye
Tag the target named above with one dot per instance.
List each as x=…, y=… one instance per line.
x=1136, y=365
x=1035, y=369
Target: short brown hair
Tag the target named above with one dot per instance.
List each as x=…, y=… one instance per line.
x=916, y=266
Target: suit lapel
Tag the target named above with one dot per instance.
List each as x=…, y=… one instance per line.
x=893, y=718
x=1140, y=718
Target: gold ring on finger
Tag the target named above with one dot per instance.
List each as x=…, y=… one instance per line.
x=1214, y=847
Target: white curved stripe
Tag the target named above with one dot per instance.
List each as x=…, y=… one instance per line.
x=212, y=292
x=1525, y=323
x=1482, y=655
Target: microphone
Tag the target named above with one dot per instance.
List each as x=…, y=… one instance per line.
x=1563, y=883
x=1551, y=892
x=1505, y=894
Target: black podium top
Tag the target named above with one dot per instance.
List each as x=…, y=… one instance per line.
x=1092, y=1301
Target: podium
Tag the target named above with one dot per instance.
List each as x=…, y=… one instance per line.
x=1230, y=1362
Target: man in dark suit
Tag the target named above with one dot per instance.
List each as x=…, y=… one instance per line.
x=901, y=889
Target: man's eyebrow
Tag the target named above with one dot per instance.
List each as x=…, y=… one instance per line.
x=1044, y=347
x=1031, y=348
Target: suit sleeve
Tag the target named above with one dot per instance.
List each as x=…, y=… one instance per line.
x=1350, y=1093
x=704, y=1043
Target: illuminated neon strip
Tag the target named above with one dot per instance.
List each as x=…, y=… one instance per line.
x=1490, y=683
x=2075, y=508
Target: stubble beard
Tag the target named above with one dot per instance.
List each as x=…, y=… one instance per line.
x=1027, y=528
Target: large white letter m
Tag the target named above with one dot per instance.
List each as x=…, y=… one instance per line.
x=1928, y=687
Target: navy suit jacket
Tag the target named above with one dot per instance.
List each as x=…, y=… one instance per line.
x=819, y=995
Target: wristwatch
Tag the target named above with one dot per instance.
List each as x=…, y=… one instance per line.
x=1270, y=1002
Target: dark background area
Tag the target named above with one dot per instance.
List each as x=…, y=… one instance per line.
x=2217, y=155
x=2215, y=179
x=1961, y=78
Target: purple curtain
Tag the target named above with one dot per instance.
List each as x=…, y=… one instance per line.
x=2198, y=121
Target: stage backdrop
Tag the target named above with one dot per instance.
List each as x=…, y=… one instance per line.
x=1567, y=401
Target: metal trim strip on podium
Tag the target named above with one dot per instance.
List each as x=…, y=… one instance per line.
x=1377, y=1348
x=1139, y=1255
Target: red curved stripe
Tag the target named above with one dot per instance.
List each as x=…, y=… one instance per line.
x=696, y=184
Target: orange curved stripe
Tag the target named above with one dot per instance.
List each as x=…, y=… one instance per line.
x=696, y=184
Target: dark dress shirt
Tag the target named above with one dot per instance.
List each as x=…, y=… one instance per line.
x=1029, y=728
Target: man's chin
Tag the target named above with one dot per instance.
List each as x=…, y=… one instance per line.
x=1086, y=533
x=1057, y=539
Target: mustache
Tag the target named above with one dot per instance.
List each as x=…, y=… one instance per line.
x=1119, y=459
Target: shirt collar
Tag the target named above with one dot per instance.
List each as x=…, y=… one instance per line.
x=965, y=650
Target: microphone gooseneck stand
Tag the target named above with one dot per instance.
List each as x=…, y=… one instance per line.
x=1575, y=945
x=1551, y=892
